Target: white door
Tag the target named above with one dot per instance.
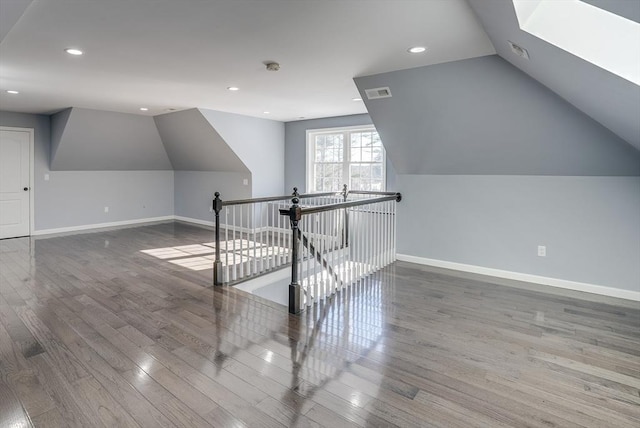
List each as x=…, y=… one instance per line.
x=14, y=183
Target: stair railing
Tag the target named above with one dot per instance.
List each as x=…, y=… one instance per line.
x=327, y=256
x=251, y=238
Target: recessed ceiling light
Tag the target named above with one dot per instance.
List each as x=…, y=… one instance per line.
x=144, y=109
x=73, y=51
x=11, y=91
x=233, y=88
x=356, y=99
x=266, y=112
x=417, y=49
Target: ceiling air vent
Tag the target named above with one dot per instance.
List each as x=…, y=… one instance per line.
x=520, y=51
x=375, y=93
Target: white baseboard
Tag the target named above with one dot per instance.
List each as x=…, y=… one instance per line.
x=230, y=227
x=194, y=221
x=154, y=220
x=543, y=280
x=100, y=225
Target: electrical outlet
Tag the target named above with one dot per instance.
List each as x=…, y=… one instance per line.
x=106, y=209
x=210, y=209
x=46, y=177
x=542, y=251
x=245, y=181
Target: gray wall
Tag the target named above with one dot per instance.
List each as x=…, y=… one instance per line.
x=296, y=148
x=260, y=145
x=600, y=94
x=95, y=140
x=75, y=198
x=194, y=191
x=590, y=225
x=484, y=116
x=494, y=164
x=193, y=144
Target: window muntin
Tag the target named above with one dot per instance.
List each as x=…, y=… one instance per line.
x=354, y=156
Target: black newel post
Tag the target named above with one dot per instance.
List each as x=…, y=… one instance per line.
x=295, y=292
x=217, y=264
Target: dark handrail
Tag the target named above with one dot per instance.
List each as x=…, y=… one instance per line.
x=294, y=213
x=322, y=208
x=370, y=192
x=276, y=198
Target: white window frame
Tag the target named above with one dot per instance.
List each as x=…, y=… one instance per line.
x=346, y=130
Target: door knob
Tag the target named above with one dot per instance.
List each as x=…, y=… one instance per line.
x=25, y=189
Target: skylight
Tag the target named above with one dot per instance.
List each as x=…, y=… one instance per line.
x=593, y=34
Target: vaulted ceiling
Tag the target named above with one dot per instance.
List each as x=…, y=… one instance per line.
x=167, y=54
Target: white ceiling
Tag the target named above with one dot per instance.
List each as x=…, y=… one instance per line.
x=180, y=54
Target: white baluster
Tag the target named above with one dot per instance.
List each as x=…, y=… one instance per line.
x=393, y=235
x=233, y=238
x=251, y=226
x=226, y=248
x=241, y=239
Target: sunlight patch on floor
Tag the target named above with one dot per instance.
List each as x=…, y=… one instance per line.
x=233, y=252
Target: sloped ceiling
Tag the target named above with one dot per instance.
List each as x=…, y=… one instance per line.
x=10, y=13
x=194, y=145
x=94, y=140
x=612, y=101
x=484, y=116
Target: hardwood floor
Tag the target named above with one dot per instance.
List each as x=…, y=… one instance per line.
x=95, y=332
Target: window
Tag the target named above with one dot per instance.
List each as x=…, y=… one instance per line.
x=353, y=156
x=596, y=35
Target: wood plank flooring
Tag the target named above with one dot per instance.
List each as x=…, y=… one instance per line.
x=94, y=332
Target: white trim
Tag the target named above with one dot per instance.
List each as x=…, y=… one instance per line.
x=194, y=221
x=190, y=220
x=32, y=180
x=211, y=223
x=517, y=276
x=101, y=225
x=230, y=227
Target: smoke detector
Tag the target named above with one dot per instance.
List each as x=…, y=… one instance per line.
x=519, y=50
x=375, y=93
x=273, y=66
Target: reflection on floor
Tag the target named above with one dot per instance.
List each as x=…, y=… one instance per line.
x=95, y=332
